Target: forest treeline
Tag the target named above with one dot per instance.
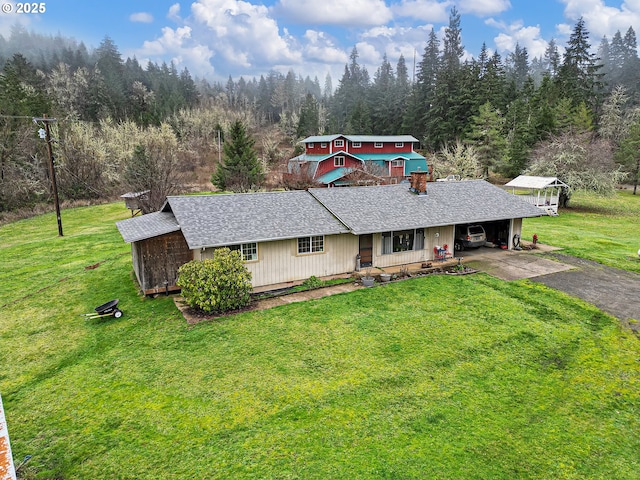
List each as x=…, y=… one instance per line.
x=573, y=114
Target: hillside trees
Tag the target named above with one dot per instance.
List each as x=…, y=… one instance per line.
x=23, y=173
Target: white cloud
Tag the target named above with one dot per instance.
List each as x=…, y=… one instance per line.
x=141, y=17
x=482, y=8
x=174, y=12
x=601, y=19
x=424, y=10
x=320, y=47
x=183, y=51
x=336, y=12
x=527, y=36
x=242, y=33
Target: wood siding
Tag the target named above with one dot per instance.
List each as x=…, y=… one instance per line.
x=327, y=165
x=158, y=259
x=414, y=256
x=279, y=261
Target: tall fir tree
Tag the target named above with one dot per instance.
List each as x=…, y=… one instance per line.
x=446, y=120
x=240, y=170
x=579, y=77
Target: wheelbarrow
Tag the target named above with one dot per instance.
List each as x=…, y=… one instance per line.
x=105, y=310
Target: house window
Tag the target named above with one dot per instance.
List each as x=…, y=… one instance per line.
x=402, y=241
x=323, y=145
x=310, y=145
x=313, y=244
x=356, y=144
x=249, y=251
x=397, y=163
x=338, y=161
x=399, y=144
x=377, y=144
x=339, y=143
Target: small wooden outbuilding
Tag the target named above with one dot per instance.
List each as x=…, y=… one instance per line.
x=134, y=200
x=158, y=250
x=543, y=192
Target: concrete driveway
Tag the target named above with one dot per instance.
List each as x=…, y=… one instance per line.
x=512, y=265
x=614, y=291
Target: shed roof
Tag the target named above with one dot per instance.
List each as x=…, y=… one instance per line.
x=538, y=183
x=230, y=219
x=393, y=207
x=147, y=226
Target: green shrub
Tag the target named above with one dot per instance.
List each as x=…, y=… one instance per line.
x=312, y=282
x=216, y=285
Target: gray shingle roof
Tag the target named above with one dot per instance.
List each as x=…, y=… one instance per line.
x=394, y=207
x=216, y=220
x=147, y=226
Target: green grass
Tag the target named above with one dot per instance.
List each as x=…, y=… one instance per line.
x=443, y=377
x=602, y=229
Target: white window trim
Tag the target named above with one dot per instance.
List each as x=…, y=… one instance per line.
x=338, y=143
x=378, y=145
x=397, y=163
x=241, y=248
x=336, y=163
x=356, y=144
x=415, y=241
x=310, y=145
x=311, y=246
x=323, y=145
x=399, y=144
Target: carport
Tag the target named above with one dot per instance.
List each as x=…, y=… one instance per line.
x=499, y=232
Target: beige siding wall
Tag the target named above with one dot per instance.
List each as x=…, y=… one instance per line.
x=279, y=261
x=445, y=236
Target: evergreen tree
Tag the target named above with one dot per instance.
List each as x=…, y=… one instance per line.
x=519, y=66
x=240, y=170
x=578, y=77
x=382, y=100
x=423, y=92
x=551, y=59
x=309, y=122
x=110, y=68
x=628, y=155
x=445, y=122
x=488, y=138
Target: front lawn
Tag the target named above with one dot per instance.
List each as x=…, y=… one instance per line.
x=602, y=229
x=436, y=377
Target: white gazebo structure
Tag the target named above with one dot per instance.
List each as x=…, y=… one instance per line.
x=543, y=192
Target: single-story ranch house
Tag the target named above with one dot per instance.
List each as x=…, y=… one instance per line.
x=290, y=236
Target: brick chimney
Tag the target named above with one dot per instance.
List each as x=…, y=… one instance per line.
x=419, y=182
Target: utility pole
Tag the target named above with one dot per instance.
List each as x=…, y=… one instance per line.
x=52, y=170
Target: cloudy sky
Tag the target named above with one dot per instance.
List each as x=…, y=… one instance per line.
x=218, y=38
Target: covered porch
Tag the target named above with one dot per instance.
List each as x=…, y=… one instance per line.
x=543, y=192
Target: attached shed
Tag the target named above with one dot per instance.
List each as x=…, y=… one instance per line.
x=543, y=192
x=158, y=250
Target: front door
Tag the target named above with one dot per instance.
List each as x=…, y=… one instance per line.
x=366, y=250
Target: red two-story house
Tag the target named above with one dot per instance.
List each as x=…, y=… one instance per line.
x=339, y=160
